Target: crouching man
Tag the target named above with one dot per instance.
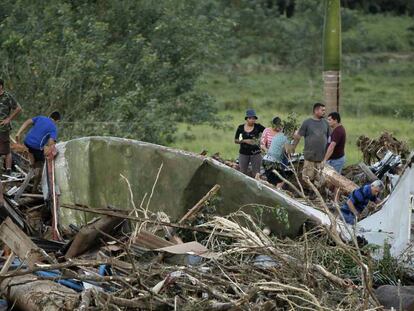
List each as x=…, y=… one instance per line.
x=359, y=199
x=40, y=140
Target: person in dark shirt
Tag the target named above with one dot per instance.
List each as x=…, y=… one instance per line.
x=247, y=136
x=315, y=130
x=359, y=199
x=335, y=154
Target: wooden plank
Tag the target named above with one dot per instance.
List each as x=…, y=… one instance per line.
x=20, y=243
x=89, y=236
x=371, y=176
x=148, y=240
x=7, y=210
x=24, y=185
x=7, y=264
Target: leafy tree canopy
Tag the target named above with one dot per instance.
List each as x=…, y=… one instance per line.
x=129, y=68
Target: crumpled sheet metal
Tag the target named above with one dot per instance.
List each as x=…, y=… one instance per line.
x=88, y=172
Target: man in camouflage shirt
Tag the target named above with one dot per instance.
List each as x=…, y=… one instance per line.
x=9, y=109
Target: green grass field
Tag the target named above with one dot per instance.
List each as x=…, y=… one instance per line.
x=376, y=97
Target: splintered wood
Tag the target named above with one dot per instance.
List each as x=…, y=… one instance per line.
x=20, y=243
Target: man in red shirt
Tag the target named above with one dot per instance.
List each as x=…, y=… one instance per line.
x=335, y=154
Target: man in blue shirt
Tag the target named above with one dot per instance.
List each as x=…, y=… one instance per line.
x=42, y=135
x=40, y=140
x=359, y=199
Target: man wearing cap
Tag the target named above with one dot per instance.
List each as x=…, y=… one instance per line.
x=9, y=109
x=247, y=136
x=359, y=199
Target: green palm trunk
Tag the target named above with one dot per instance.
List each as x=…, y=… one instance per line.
x=332, y=55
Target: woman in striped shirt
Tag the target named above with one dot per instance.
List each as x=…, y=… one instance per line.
x=268, y=134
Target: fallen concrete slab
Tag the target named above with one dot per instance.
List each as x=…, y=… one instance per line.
x=88, y=172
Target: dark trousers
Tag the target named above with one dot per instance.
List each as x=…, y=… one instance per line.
x=255, y=160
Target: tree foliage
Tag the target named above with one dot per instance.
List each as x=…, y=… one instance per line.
x=127, y=67
x=130, y=68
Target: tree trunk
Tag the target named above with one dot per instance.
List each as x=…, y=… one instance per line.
x=332, y=55
x=331, y=90
x=333, y=178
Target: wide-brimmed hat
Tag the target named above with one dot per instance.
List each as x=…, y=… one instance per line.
x=250, y=113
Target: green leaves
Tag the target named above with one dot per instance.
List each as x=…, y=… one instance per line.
x=134, y=63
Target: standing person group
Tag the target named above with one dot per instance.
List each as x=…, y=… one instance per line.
x=324, y=143
x=254, y=138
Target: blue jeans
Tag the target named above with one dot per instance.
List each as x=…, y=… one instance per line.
x=348, y=215
x=337, y=164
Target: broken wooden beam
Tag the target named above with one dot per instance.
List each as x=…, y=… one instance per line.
x=90, y=235
x=199, y=205
x=191, y=214
x=146, y=220
x=371, y=176
x=20, y=243
x=7, y=210
x=7, y=264
x=24, y=185
x=148, y=240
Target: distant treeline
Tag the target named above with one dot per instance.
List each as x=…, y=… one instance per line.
x=287, y=7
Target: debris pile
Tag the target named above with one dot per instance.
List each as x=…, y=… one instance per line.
x=374, y=149
x=107, y=265
x=141, y=259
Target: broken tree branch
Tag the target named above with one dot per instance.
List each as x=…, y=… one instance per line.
x=120, y=215
x=199, y=205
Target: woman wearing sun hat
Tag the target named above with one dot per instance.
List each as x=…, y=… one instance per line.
x=248, y=137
